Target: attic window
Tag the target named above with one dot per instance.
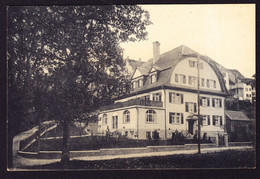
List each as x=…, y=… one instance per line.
x=153, y=78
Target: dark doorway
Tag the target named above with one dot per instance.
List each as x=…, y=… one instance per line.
x=190, y=126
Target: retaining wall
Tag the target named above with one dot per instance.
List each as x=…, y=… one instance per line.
x=112, y=151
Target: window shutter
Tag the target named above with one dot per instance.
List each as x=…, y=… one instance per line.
x=200, y=101
x=208, y=99
x=189, y=80
x=170, y=97
x=213, y=102
x=208, y=119
x=160, y=97
x=220, y=103
x=170, y=117
x=181, y=98
x=184, y=79
x=195, y=107
x=214, y=122
x=221, y=120
x=186, y=107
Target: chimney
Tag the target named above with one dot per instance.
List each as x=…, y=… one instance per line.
x=156, y=51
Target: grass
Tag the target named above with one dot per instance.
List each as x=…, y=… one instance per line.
x=225, y=159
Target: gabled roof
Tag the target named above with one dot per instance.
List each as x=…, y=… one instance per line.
x=167, y=63
x=134, y=63
x=236, y=115
x=143, y=71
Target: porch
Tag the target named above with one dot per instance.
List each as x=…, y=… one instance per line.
x=132, y=102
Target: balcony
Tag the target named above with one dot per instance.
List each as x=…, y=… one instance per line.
x=132, y=102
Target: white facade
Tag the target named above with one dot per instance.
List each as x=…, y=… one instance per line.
x=242, y=91
x=173, y=103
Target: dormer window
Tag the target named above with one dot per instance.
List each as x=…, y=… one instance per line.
x=153, y=78
x=140, y=83
x=137, y=83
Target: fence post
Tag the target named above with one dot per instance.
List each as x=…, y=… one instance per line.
x=217, y=139
x=226, y=139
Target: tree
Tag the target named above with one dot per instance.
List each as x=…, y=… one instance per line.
x=77, y=49
x=246, y=106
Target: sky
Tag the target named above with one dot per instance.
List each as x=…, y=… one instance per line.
x=225, y=33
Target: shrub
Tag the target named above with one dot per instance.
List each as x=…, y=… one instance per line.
x=177, y=138
x=156, y=135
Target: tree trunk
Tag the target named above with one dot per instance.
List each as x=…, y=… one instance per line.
x=65, y=144
x=39, y=133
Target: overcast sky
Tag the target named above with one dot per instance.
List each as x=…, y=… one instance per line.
x=225, y=33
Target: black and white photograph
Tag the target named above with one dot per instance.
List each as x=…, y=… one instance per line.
x=131, y=87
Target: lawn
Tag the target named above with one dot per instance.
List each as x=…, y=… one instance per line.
x=226, y=159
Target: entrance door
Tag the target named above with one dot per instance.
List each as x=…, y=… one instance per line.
x=190, y=126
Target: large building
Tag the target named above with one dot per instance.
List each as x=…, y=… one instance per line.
x=164, y=97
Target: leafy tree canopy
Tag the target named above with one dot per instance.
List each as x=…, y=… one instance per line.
x=78, y=46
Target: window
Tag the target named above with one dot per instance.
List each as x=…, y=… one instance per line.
x=104, y=119
x=115, y=122
x=247, y=95
x=205, y=120
x=126, y=133
x=246, y=89
x=146, y=98
x=148, y=134
x=211, y=83
x=157, y=97
x=175, y=118
x=202, y=82
x=190, y=107
x=153, y=78
x=249, y=89
x=207, y=83
x=192, y=80
x=184, y=79
x=150, y=116
x=136, y=84
x=175, y=98
x=126, y=116
x=216, y=103
x=204, y=101
x=217, y=120
x=214, y=83
x=192, y=63
x=180, y=78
